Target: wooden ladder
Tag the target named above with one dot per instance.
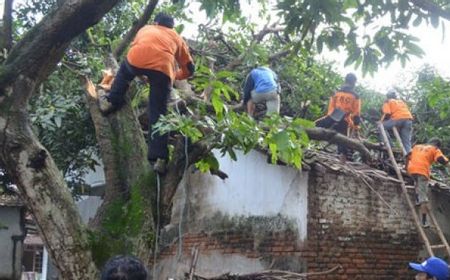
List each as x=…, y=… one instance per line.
x=434, y=223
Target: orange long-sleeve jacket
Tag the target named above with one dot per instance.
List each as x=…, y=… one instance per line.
x=397, y=109
x=348, y=102
x=422, y=157
x=160, y=48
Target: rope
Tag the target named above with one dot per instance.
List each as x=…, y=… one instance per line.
x=361, y=177
x=155, y=251
x=183, y=206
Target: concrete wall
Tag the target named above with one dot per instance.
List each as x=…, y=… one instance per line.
x=10, y=250
x=273, y=217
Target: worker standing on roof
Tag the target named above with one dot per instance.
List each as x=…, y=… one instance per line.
x=418, y=165
x=344, y=110
x=155, y=52
x=261, y=86
x=432, y=268
x=396, y=114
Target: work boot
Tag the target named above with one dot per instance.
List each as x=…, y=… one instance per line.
x=105, y=106
x=159, y=166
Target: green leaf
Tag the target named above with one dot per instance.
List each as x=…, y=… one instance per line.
x=217, y=104
x=350, y=4
x=415, y=49
x=58, y=121
x=281, y=140
x=434, y=19
x=273, y=151
x=417, y=21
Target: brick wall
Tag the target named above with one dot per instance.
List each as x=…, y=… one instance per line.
x=348, y=225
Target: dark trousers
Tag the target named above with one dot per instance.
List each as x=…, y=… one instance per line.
x=341, y=127
x=160, y=86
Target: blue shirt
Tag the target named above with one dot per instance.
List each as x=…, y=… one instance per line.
x=261, y=80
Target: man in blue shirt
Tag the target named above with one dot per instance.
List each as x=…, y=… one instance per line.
x=261, y=85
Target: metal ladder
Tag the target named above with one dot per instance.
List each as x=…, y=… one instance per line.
x=434, y=223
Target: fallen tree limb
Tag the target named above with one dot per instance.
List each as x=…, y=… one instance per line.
x=270, y=274
x=323, y=134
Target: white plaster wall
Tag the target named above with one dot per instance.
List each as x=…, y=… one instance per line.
x=208, y=265
x=96, y=177
x=254, y=188
x=10, y=221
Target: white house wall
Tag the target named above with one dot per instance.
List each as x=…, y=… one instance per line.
x=253, y=188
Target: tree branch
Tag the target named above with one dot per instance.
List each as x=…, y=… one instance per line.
x=6, y=28
x=134, y=29
x=36, y=55
x=332, y=136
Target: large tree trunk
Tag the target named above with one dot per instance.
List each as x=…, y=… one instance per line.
x=29, y=164
x=42, y=187
x=127, y=172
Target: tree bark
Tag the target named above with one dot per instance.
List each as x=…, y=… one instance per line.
x=124, y=154
x=6, y=27
x=36, y=55
x=42, y=187
x=332, y=136
x=28, y=163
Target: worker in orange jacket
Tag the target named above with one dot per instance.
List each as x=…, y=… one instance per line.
x=396, y=114
x=156, y=52
x=418, y=165
x=344, y=110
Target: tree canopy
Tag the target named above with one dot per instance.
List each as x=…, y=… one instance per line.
x=52, y=133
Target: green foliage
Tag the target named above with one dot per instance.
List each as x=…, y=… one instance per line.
x=208, y=163
x=306, y=85
x=430, y=96
x=345, y=24
x=284, y=137
x=58, y=113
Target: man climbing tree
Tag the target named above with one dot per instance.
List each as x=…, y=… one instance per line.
x=153, y=54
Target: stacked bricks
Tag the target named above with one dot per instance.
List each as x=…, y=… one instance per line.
x=348, y=225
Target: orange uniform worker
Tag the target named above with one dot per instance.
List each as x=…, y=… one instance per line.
x=344, y=110
x=396, y=114
x=419, y=162
x=160, y=54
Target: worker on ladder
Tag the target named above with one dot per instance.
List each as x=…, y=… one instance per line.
x=344, y=110
x=418, y=165
x=396, y=114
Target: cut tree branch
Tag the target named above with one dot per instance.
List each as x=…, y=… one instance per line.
x=323, y=134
